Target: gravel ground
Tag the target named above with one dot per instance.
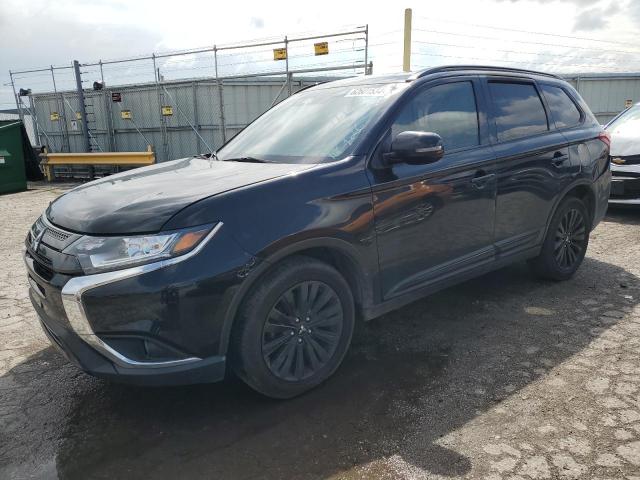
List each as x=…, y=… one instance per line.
x=502, y=377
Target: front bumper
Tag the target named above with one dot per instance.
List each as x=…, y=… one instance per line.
x=625, y=185
x=87, y=358
x=146, y=325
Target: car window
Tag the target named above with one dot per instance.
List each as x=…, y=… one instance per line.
x=518, y=110
x=564, y=111
x=322, y=124
x=448, y=110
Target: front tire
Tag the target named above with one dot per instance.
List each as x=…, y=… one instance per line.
x=566, y=242
x=294, y=328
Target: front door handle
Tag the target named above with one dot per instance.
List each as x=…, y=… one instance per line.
x=481, y=179
x=559, y=158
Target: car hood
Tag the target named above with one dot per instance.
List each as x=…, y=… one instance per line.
x=142, y=200
x=625, y=141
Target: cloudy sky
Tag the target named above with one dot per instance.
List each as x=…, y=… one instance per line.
x=552, y=35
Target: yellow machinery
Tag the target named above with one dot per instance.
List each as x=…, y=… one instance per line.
x=116, y=159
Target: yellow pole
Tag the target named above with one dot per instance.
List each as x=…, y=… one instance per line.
x=406, y=58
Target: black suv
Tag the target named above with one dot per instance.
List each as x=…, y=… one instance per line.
x=341, y=203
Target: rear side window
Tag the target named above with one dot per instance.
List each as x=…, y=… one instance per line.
x=564, y=111
x=518, y=110
x=448, y=110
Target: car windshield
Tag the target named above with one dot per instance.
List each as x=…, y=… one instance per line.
x=629, y=121
x=314, y=126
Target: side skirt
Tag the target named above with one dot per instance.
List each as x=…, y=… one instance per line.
x=374, y=311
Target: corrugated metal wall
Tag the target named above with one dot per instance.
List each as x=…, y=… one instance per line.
x=607, y=94
x=195, y=104
x=196, y=108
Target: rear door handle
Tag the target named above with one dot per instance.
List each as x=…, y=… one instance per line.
x=559, y=158
x=481, y=179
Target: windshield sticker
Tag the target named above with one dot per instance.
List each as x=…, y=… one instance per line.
x=369, y=91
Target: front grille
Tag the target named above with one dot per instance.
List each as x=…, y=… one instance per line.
x=625, y=174
x=625, y=187
x=626, y=160
x=55, y=234
x=42, y=259
x=42, y=270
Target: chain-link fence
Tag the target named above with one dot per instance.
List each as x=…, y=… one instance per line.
x=180, y=103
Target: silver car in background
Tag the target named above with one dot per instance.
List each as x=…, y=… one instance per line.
x=625, y=157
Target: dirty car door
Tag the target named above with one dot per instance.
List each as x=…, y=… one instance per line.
x=435, y=220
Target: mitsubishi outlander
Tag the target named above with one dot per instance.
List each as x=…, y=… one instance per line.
x=343, y=202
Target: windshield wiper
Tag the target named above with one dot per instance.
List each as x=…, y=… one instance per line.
x=208, y=156
x=246, y=159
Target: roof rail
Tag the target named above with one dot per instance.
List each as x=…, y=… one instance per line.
x=450, y=68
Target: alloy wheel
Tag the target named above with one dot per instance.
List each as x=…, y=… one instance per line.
x=570, y=239
x=302, y=331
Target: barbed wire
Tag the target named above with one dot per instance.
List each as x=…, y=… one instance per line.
x=529, y=32
x=530, y=42
x=139, y=68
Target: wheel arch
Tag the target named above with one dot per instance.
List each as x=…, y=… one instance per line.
x=585, y=193
x=340, y=254
x=581, y=190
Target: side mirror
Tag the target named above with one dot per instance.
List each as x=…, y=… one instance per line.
x=415, y=148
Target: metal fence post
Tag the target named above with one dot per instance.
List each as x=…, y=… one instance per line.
x=15, y=97
x=163, y=120
x=83, y=110
x=106, y=98
x=163, y=125
x=223, y=127
x=113, y=146
x=196, y=120
x=286, y=53
x=366, y=50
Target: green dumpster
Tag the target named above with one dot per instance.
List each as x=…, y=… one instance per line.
x=13, y=176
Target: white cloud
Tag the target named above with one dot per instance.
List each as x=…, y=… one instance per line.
x=595, y=18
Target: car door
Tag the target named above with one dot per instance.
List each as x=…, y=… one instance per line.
x=532, y=163
x=435, y=220
x=570, y=120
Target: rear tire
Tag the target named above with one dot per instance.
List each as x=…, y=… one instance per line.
x=293, y=329
x=566, y=242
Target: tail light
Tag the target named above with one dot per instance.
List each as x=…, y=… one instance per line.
x=605, y=137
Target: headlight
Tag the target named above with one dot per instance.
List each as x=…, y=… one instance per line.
x=98, y=254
